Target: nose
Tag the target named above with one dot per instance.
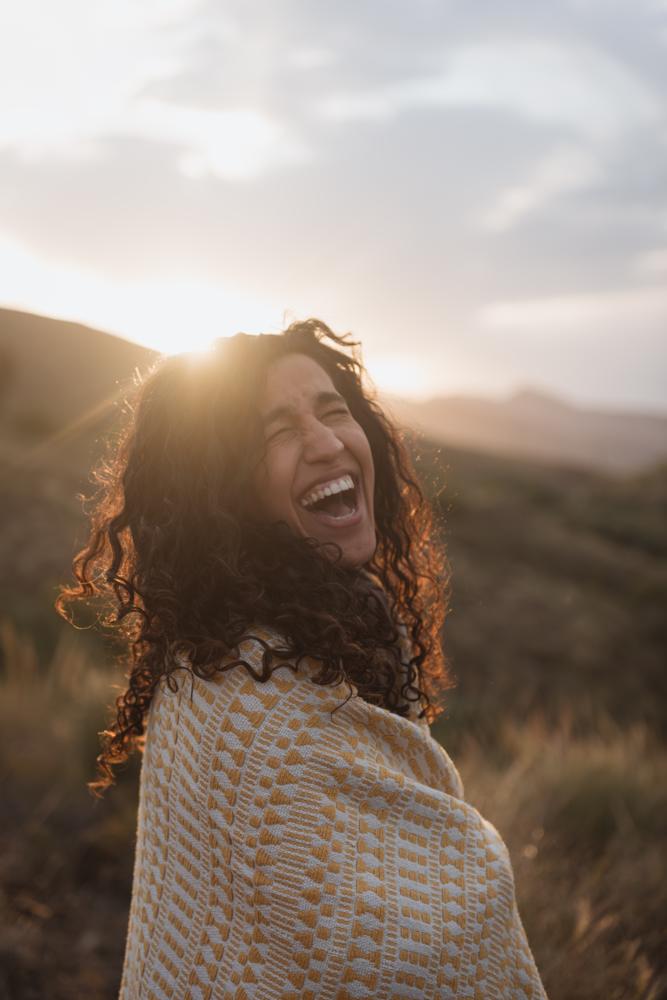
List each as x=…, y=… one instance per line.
x=320, y=443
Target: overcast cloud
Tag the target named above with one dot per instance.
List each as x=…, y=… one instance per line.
x=478, y=191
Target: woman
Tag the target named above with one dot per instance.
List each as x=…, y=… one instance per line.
x=300, y=834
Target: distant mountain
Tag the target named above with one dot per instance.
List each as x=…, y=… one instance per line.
x=536, y=425
x=59, y=378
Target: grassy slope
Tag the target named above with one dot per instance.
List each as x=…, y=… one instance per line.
x=53, y=371
x=559, y=585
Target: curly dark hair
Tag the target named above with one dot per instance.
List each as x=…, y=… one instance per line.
x=184, y=573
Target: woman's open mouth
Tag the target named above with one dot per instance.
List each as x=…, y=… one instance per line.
x=337, y=502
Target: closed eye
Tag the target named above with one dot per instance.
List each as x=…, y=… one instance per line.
x=340, y=410
x=277, y=433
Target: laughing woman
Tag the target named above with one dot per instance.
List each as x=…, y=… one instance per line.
x=272, y=569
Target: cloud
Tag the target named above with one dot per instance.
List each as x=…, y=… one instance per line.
x=592, y=312
x=562, y=172
x=573, y=85
x=236, y=144
x=652, y=263
x=605, y=347
x=68, y=71
x=66, y=91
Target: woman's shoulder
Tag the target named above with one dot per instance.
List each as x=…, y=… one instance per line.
x=259, y=681
x=255, y=679
x=235, y=717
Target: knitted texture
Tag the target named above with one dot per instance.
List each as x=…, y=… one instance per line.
x=284, y=853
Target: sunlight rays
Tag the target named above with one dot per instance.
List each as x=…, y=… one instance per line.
x=169, y=314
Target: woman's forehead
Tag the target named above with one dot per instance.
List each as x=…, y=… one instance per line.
x=294, y=380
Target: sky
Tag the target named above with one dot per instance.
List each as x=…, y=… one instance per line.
x=474, y=189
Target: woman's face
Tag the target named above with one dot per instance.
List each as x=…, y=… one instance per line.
x=317, y=474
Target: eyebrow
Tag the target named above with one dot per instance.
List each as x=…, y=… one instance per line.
x=321, y=399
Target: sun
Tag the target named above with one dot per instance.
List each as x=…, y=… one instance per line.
x=171, y=313
x=186, y=316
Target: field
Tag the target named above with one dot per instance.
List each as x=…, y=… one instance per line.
x=557, y=638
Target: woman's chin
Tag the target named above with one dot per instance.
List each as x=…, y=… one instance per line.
x=358, y=554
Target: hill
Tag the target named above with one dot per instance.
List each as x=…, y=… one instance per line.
x=56, y=371
x=59, y=383
x=536, y=425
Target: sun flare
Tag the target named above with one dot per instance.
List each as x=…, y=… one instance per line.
x=169, y=314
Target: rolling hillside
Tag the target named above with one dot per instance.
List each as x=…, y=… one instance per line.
x=56, y=371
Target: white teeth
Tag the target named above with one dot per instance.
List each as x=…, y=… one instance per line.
x=327, y=490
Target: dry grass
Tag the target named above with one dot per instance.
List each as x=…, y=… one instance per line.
x=65, y=859
x=585, y=820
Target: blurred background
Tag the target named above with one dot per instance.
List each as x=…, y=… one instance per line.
x=478, y=193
